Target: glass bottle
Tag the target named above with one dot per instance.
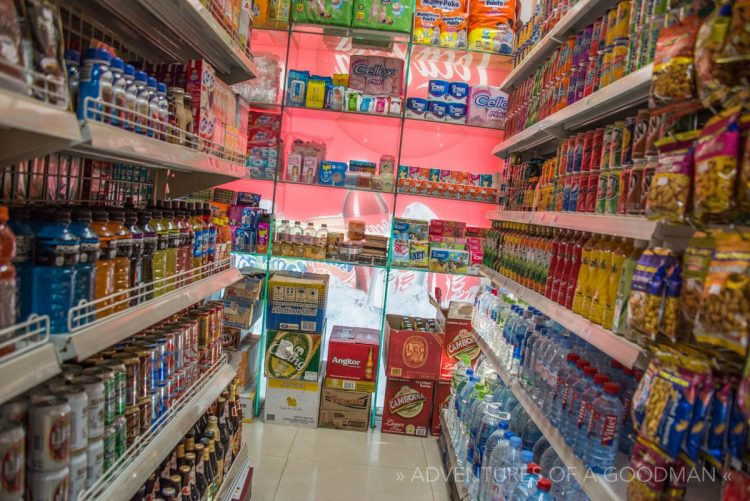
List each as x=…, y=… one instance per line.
x=173, y=239
x=210, y=467
x=176, y=483
x=322, y=241
x=215, y=447
x=295, y=238
x=235, y=419
x=184, y=250
x=122, y=260
x=150, y=243
x=194, y=488
x=187, y=483
x=201, y=475
x=179, y=458
x=136, y=256
x=309, y=242
x=105, y=266
x=225, y=430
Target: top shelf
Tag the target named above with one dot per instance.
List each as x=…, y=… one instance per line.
x=579, y=16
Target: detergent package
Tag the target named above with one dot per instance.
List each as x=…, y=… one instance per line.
x=336, y=12
x=491, y=25
x=386, y=15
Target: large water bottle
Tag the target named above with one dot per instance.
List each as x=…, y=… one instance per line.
x=584, y=413
x=561, y=411
x=477, y=406
x=528, y=482
x=518, y=420
x=554, y=396
x=628, y=386
x=458, y=379
x=507, y=334
x=499, y=438
x=543, y=487
x=549, y=365
x=522, y=330
x=575, y=395
x=500, y=462
x=532, y=343
x=604, y=429
x=462, y=402
x=547, y=461
x=20, y=224
x=531, y=434
x=540, y=447
x=477, y=418
x=488, y=427
x=516, y=473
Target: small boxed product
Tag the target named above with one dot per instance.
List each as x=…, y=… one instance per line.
x=200, y=83
x=440, y=401
x=248, y=199
x=408, y=406
x=458, y=338
x=332, y=173
x=292, y=355
x=353, y=353
x=449, y=260
x=247, y=403
x=297, y=301
x=412, y=354
x=292, y=402
x=345, y=409
x=247, y=370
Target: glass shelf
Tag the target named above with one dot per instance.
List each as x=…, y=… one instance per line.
x=332, y=262
x=461, y=57
x=250, y=254
x=427, y=270
x=348, y=188
x=451, y=125
x=313, y=111
x=425, y=195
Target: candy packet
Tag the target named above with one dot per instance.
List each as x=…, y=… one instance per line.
x=674, y=63
x=647, y=459
x=669, y=193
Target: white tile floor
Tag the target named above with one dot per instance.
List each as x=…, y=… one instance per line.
x=334, y=465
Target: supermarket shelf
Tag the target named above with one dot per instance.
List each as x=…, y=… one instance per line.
x=145, y=458
x=426, y=195
x=427, y=270
x=629, y=91
x=32, y=128
x=451, y=125
x=332, y=262
x=596, y=487
x=460, y=57
x=452, y=467
x=619, y=348
x=347, y=188
x=27, y=370
x=234, y=480
x=289, y=109
x=581, y=14
x=103, y=333
x=376, y=36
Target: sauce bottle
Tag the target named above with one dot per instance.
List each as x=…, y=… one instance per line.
x=105, y=266
x=122, y=260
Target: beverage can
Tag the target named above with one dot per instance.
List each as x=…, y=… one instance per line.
x=12, y=446
x=47, y=484
x=606, y=71
x=562, y=156
x=572, y=83
x=16, y=410
x=170, y=392
x=583, y=192
x=179, y=384
x=94, y=387
x=639, y=135
x=107, y=376
x=48, y=434
x=78, y=401
x=566, y=192
x=622, y=19
x=633, y=205
x=613, y=190
x=596, y=149
x=109, y=447
x=574, y=192
x=94, y=461
x=606, y=147
x=578, y=152
x=77, y=467
x=180, y=333
x=619, y=59
x=121, y=437
x=648, y=175
x=145, y=373
x=626, y=157
x=588, y=148
x=580, y=89
x=622, y=197
x=592, y=186
x=132, y=424
x=69, y=371
x=601, y=193
x=615, y=145
x=121, y=388
x=133, y=380
x=146, y=411
x=571, y=155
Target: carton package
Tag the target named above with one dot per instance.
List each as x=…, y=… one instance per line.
x=439, y=402
x=353, y=353
x=297, y=301
x=239, y=301
x=293, y=403
x=487, y=106
x=200, y=83
x=458, y=338
x=247, y=403
x=292, y=355
x=247, y=370
x=345, y=409
x=448, y=260
x=412, y=354
x=408, y=406
x=336, y=12
x=350, y=384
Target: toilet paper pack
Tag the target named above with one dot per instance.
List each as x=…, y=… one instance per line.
x=487, y=106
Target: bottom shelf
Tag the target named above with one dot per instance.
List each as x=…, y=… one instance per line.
x=451, y=463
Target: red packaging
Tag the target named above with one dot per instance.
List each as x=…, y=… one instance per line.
x=622, y=199
x=458, y=339
x=407, y=407
x=583, y=193
x=593, y=184
x=562, y=156
x=412, y=354
x=353, y=353
x=200, y=78
x=270, y=120
x=596, y=149
x=588, y=145
x=440, y=401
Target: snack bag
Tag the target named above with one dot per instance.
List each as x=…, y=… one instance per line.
x=647, y=287
x=426, y=23
x=724, y=318
x=336, y=12
x=713, y=80
x=491, y=24
x=387, y=15
x=674, y=63
x=646, y=457
x=716, y=156
x=278, y=11
x=696, y=263
x=743, y=184
x=738, y=40
x=669, y=192
x=12, y=56
x=43, y=21
x=669, y=320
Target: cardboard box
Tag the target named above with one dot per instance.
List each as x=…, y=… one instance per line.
x=200, y=83
x=247, y=403
x=293, y=403
x=350, y=384
x=439, y=402
x=458, y=337
x=448, y=260
x=297, y=301
x=411, y=354
x=345, y=409
x=353, y=353
x=292, y=355
x=247, y=370
x=408, y=406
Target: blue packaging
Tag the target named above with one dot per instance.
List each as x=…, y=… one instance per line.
x=458, y=91
x=456, y=112
x=297, y=301
x=403, y=172
x=436, y=111
x=362, y=166
x=94, y=75
x=332, y=173
x=438, y=89
x=416, y=107
x=296, y=87
x=245, y=198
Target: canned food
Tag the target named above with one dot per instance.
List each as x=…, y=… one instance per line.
x=16, y=410
x=48, y=434
x=118, y=367
x=132, y=424
x=12, y=446
x=121, y=436
x=46, y=485
x=613, y=190
x=94, y=461
x=94, y=387
x=78, y=401
x=146, y=413
x=77, y=467
x=107, y=376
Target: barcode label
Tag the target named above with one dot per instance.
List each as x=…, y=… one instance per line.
x=270, y=417
x=396, y=371
x=349, y=385
x=307, y=325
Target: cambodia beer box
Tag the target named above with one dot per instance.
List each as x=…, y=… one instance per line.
x=439, y=402
x=297, y=301
x=408, y=405
x=413, y=347
x=353, y=353
x=292, y=355
x=292, y=402
x=458, y=338
x=345, y=409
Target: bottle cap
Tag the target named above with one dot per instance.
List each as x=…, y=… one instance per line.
x=502, y=425
x=581, y=363
x=141, y=77
x=129, y=70
x=151, y=82
x=611, y=388
x=600, y=379
x=516, y=442
x=161, y=87
x=589, y=371
x=508, y=435
x=572, y=357
x=73, y=56
x=533, y=468
x=117, y=64
x=527, y=456
x=544, y=484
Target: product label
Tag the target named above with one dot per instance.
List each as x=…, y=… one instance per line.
x=24, y=248
x=407, y=403
x=13, y=468
x=89, y=252
x=59, y=437
x=56, y=253
x=414, y=351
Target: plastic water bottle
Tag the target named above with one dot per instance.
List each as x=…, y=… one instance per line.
x=528, y=482
x=604, y=429
x=516, y=473
x=122, y=259
x=531, y=434
x=564, y=404
x=477, y=406
x=85, y=285
x=552, y=407
x=499, y=438
x=628, y=387
x=547, y=461
x=540, y=447
x=462, y=401
x=543, y=487
x=480, y=412
x=500, y=462
x=584, y=413
x=532, y=343
x=575, y=395
x=487, y=428
x=518, y=420
x=20, y=224
x=548, y=367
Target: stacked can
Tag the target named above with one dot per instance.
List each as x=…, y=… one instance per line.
x=47, y=447
x=13, y=417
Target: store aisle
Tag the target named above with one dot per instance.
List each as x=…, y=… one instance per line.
x=334, y=465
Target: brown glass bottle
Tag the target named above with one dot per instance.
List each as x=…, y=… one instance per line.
x=216, y=447
x=210, y=466
x=201, y=479
x=225, y=431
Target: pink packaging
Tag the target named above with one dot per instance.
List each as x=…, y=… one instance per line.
x=475, y=179
x=200, y=83
x=414, y=173
x=263, y=135
x=464, y=177
x=445, y=176
x=270, y=120
x=376, y=75
x=358, y=66
x=394, y=81
x=486, y=106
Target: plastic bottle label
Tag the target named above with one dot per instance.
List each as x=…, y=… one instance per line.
x=57, y=254
x=89, y=252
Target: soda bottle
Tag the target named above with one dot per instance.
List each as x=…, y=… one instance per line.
x=136, y=257
x=20, y=224
x=105, y=266
x=150, y=243
x=604, y=429
x=159, y=262
x=7, y=273
x=280, y=238
x=209, y=236
x=56, y=257
x=85, y=285
x=122, y=260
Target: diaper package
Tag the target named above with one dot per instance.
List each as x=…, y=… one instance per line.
x=376, y=76
x=491, y=25
x=487, y=106
x=336, y=12
x=426, y=24
x=387, y=15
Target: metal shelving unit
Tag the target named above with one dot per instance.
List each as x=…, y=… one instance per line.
x=235, y=478
x=450, y=462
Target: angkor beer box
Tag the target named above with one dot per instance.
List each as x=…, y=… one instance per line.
x=349, y=384
x=345, y=409
x=292, y=355
x=408, y=405
x=297, y=301
x=353, y=353
x=458, y=337
x=439, y=402
x=412, y=354
x=292, y=402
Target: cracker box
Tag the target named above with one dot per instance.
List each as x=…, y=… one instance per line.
x=412, y=354
x=200, y=83
x=353, y=353
x=292, y=403
x=345, y=409
x=440, y=401
x=292, y=355
x=350, y=384
x=408, y=406
x=449, y=260
x=458, y=338
x=297, y=301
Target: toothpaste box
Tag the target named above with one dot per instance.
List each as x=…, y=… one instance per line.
x=200, y=83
